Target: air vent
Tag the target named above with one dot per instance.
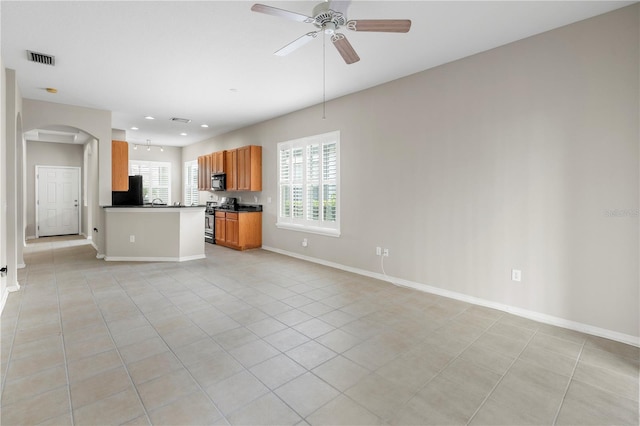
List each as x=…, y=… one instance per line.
x=181, y=120
x=41, y=58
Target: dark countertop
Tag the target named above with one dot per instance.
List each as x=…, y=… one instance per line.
x=156, y=206
x=242, y=208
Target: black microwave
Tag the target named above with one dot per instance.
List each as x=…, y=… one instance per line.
x=218, y=182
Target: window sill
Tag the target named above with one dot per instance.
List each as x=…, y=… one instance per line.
x=309, y=229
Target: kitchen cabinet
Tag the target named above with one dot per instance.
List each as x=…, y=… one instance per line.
x=218, y=162
x=239, y=230
x=231, y=158
x=119, y=166
x=204, y=172
x=249, y=168
x=221, y=227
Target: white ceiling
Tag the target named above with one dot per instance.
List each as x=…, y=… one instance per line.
x=213, y=62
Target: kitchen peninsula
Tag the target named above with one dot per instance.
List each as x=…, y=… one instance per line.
x=154, y=233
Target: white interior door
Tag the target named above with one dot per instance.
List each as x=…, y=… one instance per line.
x=57, y=200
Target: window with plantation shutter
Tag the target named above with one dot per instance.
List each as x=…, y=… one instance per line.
x=191, y=183
x=309, y=186
x=156, y=179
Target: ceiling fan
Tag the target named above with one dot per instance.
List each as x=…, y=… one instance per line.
x=329, y=17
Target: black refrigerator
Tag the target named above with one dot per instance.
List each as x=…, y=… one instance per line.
x=132, y=197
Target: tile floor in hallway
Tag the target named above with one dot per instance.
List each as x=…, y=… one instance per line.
x=261, y=338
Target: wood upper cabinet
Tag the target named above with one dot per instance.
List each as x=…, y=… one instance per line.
x=204, y=172
x=231, y=157
x=119, y=166
x=218, y=162
x=239, y=231
x=250, y=168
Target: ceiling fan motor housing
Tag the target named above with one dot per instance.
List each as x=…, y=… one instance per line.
x=327, y=19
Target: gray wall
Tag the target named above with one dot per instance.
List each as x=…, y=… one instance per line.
x=49, y=154
x=512, y=158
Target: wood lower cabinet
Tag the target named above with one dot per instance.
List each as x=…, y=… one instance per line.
x=119, y=166
x=239, y=230
x=233, y=230
x=221, y=227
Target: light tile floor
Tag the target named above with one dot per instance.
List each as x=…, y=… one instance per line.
x=260, y=338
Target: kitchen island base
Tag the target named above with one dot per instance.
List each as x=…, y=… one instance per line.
x=154, y=234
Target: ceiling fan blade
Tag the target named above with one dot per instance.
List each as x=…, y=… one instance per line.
x=287, y=14
x=297, y=43
x=344, y=48
x=380, y=25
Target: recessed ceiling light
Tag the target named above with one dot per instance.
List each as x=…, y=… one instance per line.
x=204, y=125
x=183, y=134
x=134, y=128
x=148, y=117
x=51, y=90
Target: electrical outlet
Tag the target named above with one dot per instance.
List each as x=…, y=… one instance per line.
x=385, y=252
x=132, y=238
x=378, y=251
x=305, y=242
x=255, y=199
x=516, y=275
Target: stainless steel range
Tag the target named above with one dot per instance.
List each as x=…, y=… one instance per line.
x=228, y=203
x=210, y=222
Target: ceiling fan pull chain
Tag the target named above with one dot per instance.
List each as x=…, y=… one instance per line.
x=324, y=75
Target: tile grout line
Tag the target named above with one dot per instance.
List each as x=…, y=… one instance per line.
x=170, y=349
x=118, y=352
x=248, y=370
x=486, y=398
x=13, y=339
x=64, y=349
x=450, y=361
x=566, y=390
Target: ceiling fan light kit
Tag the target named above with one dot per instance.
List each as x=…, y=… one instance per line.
x=329, y=21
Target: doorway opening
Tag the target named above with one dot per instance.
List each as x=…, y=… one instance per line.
x=58, y=201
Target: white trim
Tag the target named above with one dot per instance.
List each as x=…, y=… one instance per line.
x=525, y=313
x=303, y=224
x=37, y=188
x=310, y=229
x=3, y=301
x=153, y=259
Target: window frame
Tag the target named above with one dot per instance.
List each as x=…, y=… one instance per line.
x=150, y=165
x=193, y=164
x=302, y=181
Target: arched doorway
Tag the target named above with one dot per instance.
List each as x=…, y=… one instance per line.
x=61, y=147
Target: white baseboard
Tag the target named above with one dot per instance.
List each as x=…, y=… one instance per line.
x=153, y=259
x=533, y=315
x=3, y=299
